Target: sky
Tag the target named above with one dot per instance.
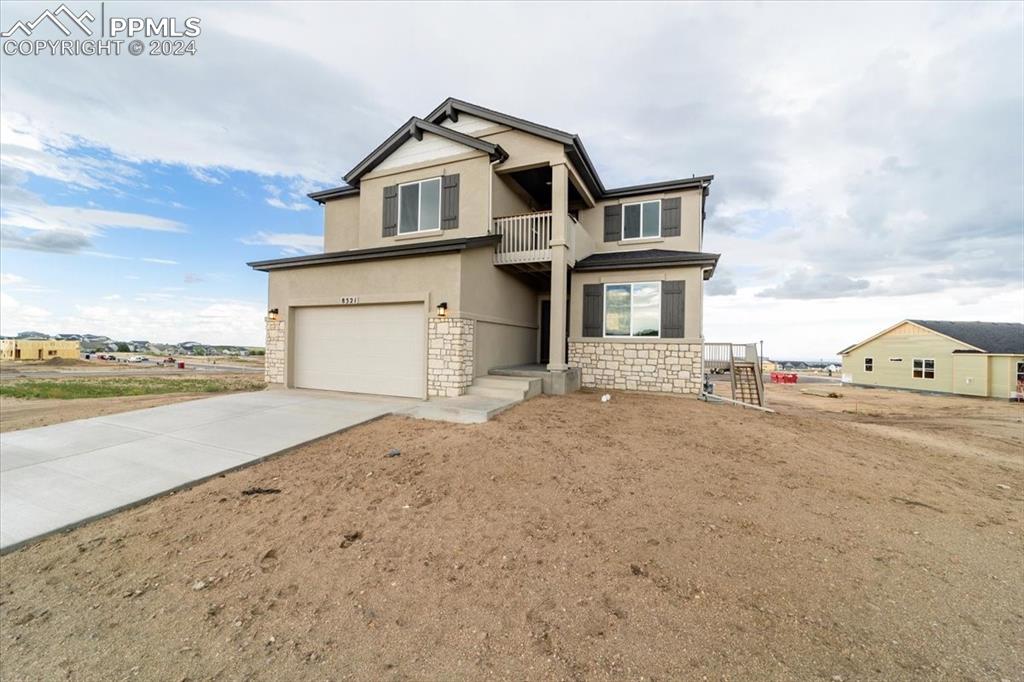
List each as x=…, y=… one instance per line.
x=868, y=158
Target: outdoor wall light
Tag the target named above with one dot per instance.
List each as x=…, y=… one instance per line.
x=272, y=313
x=442, y=309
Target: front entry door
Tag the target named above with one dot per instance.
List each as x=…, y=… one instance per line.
x=545, y=331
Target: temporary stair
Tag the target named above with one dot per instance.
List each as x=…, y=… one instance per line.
x=747, y=383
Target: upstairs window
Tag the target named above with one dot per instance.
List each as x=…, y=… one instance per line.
x=641, y=220
x=419, y=206
x=924, y=369
x=632, y=309
x=869, y=364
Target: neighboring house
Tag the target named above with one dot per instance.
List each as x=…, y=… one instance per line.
x=471, y=240
x=38, y=349
x=970, y=358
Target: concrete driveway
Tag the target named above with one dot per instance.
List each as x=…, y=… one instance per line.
x=62, y=475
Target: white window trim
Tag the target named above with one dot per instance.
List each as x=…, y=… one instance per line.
x=632, y=330
x=622, y=231
x=872, y=361
x=923, y=370
x=419, y=202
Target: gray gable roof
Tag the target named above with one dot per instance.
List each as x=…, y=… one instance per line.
x=450, y=108
x=989, y=337
x=415, y=127
x=573, y=145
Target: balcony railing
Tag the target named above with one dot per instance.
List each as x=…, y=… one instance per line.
x=526, y=238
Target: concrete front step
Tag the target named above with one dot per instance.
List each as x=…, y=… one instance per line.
x=466, y=409
x=486, y=397
x=495, y=392
x=515, y=388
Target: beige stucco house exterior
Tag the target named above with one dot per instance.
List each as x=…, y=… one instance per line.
x=38, y=349
x=470, y=241
x=970, y=358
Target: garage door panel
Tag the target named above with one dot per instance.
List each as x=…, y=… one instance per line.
x=361, y=349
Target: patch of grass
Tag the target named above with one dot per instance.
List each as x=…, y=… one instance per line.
x=71, y=389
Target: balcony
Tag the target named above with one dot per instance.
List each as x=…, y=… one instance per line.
x=526, y=241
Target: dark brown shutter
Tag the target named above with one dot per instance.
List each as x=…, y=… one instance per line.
x=593, y=310
x=450, y=202
x=673, y=309
x=613, y=223
x=670, y=219
x=390, y=212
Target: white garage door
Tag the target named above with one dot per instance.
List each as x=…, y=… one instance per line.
x=361, y=348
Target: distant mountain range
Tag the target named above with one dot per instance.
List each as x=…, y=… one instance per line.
x=90, y=343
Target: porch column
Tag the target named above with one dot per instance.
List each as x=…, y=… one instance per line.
x=559, y=265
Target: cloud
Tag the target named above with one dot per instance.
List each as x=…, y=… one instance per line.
x=17, y=316
x=51, y=241
x=193, y=278
x=30, y=223
x=858, y=169
x=160, y=261
x=210, y=320
x=205, y=118
x=294, y=200
x=9, y=278
x=807, y=284
x=720, y=285
x=209, y=176
x=291, y=243
x=293, y=206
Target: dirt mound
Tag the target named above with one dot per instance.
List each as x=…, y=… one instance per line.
x=65, y=362
x=569, y=539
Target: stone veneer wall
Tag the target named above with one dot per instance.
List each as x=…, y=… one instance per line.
x=274, y=369
x=655, y=366
x=449, y=356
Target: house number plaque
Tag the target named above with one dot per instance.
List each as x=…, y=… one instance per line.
x=349, y=300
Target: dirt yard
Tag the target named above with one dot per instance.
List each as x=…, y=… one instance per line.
x=22, y=413
x=650, y=538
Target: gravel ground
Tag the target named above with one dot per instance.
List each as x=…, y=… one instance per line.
x=647, y=538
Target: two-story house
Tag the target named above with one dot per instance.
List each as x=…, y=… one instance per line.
x=471, y=240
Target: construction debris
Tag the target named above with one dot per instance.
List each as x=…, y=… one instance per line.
x=821, y=392
x=261, y=491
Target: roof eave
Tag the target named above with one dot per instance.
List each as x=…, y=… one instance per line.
x=709, y=261
x=376, y=253
x=663, y=186
x=324, y=195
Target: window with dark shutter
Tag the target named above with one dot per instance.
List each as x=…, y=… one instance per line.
x=673, y=309
x=593, y=310
x=450, y=202
x=390, y=211
x=670, y=217
x=612, y=223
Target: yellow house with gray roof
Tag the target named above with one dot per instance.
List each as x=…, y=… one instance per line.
x=968, y=358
